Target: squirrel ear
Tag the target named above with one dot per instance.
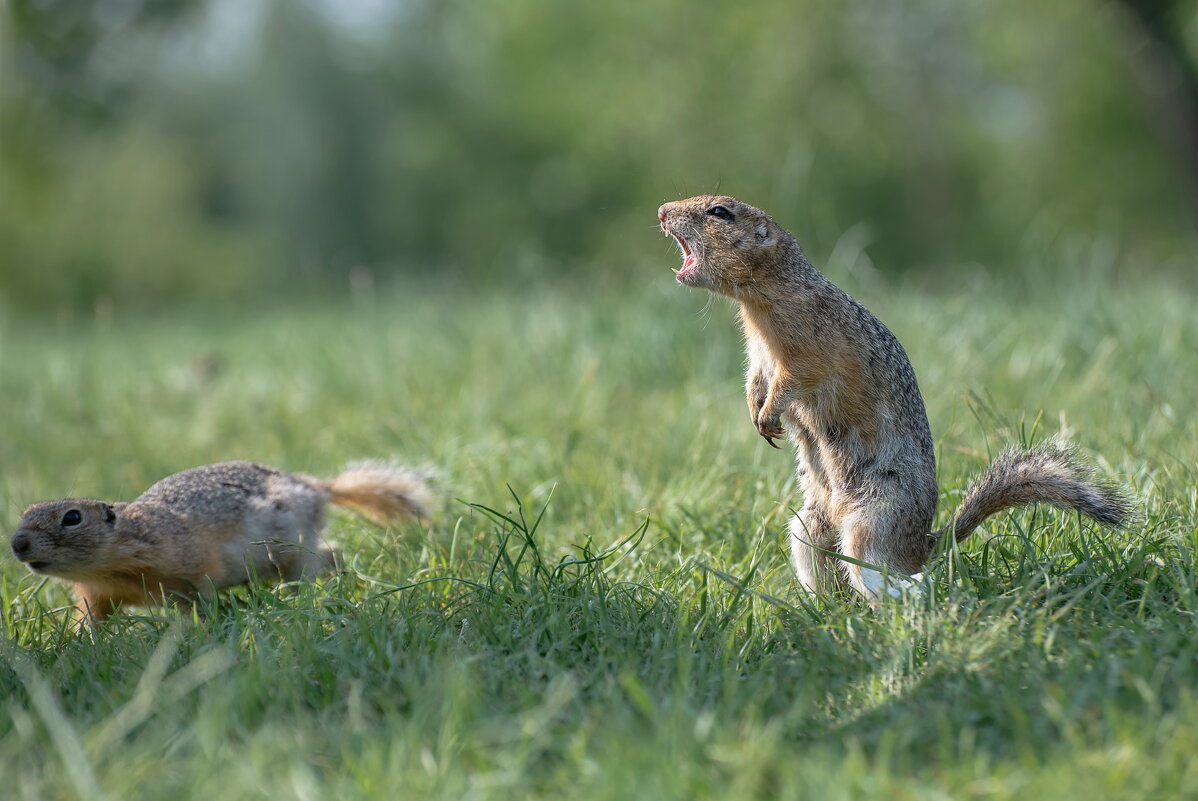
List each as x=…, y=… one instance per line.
x=763, y=233
x=109, y=514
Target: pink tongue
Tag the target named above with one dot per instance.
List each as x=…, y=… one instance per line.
x=689, y=261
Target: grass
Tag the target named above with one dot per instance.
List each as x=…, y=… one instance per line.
x=602, y=607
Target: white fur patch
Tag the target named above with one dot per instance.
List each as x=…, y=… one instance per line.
x=805, y=558
x=876, y=585
x=894, y=586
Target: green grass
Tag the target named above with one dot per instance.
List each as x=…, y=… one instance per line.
x=602, y=607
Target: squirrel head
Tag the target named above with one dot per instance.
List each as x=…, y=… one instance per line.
x=727, y=246
x=67, y=538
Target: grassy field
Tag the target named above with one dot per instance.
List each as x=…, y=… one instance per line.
x=602, y=607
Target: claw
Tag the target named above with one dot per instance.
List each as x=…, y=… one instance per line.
x=770, y=430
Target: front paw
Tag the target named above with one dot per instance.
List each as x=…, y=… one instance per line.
x=769, y=426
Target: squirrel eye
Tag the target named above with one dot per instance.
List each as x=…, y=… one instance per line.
x=72, y=518
x=722, y=212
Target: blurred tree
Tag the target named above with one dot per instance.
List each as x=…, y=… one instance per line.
x=69, y=52
x=97, y=207
x=1169, y=77
x=156, y=152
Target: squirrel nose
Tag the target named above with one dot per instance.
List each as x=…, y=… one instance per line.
x=661, y=213
x=20, y=544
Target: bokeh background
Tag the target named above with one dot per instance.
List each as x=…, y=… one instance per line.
x=308, y=232
x=166, y=153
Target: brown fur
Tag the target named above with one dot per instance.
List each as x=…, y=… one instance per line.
x=204, y=529
x=823, y=368
x=381, y=491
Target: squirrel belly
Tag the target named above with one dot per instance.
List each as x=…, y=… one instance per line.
x=841, y=382
x=205, y=529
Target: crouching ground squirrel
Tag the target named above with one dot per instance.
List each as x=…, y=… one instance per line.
x=205, y=529
x=819, y=362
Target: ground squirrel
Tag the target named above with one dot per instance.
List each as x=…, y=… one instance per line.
x=204, y=529
x=841, y=382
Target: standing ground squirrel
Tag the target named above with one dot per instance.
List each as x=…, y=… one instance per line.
x=205, y=529
x=821, y=363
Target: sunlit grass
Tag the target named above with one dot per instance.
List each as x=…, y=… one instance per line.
x=602, y=607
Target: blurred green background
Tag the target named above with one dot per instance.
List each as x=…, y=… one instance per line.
x=197, y=151
x=311, y=231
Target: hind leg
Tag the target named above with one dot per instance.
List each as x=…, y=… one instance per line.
x=320, y=561
x=287, y=544
x=882, y=536
x=320, y=556
x=301, y=562
x=811, y=527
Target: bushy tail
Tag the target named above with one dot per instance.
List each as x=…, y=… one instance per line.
x=1047, y=473
x=383, y=491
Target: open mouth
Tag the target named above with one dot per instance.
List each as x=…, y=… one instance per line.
x=37, y=565
x=688, y=257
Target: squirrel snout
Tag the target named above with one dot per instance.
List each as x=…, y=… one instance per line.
x=661, y=213
x=21, y=545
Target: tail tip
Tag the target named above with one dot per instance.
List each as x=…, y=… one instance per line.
x=385, y=491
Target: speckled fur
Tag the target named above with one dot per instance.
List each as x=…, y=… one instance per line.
x=205, y=529
x=839, y=380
